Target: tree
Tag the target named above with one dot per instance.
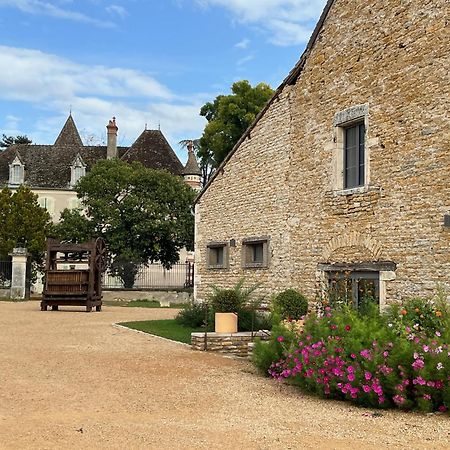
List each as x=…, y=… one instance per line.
x=7, y=141
x=23, y=223
x=228, y=117
x=144, y=215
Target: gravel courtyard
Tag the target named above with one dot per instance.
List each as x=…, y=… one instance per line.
x=69, y=379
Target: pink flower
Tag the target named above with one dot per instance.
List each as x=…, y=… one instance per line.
x=347, y=328
x=353, y=356
x=442, y=408
x=367, y=375
x=398, y=399
x=426, y=396
x=350, y=369
x=418, y=364
x=365, y=353
x=351, y=377
x=366, y=388
x=333, y=327
x=280, y=338
x=385, y=354
x=438, y=334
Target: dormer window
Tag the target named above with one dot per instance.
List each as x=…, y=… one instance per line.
x=77, y=170
x=16, y=172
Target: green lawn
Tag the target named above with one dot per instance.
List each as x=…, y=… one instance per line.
x=165, y=328
x=142, y=304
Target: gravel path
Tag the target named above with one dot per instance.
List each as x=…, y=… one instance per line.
x=69, y=379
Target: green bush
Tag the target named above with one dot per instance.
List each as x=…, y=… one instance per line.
x=231, y=300
x=226, y=300
x=291, y=304
x=267, y=352
x=192, y=315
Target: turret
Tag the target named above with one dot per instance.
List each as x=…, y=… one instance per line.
x=191, y=172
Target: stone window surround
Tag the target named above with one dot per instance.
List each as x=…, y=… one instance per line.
x=386, y=271
x=342, y=120
x=246, y=247
x=210, y=247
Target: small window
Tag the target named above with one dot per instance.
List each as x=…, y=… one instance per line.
x=16, y=173
x=77, y=170
x=217, y=255
x=255, y=252
x=354, y=156
x=47, y=203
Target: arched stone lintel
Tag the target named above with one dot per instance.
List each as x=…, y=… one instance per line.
x=353, y=239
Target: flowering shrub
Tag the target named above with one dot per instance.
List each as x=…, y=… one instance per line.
x=346, y=355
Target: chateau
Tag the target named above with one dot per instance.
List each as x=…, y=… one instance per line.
x=343, y=178
x=51, y=171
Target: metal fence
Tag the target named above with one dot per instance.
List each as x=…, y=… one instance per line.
x=155, y=276
x=5, y=274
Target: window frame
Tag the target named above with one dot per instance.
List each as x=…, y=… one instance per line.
x=16, y=173
x=211, y=248
x=248, y=247
x=342, y=121
x=354, y=278
x=359, y=154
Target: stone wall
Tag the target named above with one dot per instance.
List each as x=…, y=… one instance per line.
x=230, y=343
x=390, y=60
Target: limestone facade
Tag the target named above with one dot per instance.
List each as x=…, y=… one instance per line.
x=385, y=65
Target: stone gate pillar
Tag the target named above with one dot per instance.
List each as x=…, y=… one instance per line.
x=19, y=271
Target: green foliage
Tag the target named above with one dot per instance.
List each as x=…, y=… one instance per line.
x=7, y=141
x=226, y=300
x=266, y=352
x=291, y=304
x=192, y=315
x=365, y=358
x=418, y=314
x=23, y=223
x=144, y=215
x=232, y=300
x=228, y=117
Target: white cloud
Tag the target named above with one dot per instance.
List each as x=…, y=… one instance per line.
x=94, y=93
x=245, y=59
x=287, y=22
x=243, y=44
x=39, y=7
x=33, y=75
x=117, y=9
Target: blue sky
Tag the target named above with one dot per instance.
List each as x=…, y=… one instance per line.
x=146, y=62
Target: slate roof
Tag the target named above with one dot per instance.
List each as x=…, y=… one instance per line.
x=152, y=150
x=191, y=167
x=48, y=166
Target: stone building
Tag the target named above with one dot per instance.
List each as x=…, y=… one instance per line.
x=343, y=178
x=51, y=171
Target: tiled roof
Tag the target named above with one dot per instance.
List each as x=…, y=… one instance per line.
x=152, y=150
x=191, y=167
x=48, y=166
x=69, y=135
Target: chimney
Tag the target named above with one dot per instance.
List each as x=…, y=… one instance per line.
x=111, y=149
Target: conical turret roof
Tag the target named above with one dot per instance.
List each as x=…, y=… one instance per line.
x=191, y=167
x=69, y=134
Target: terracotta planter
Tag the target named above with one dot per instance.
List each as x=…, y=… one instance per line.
x=226, y=323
